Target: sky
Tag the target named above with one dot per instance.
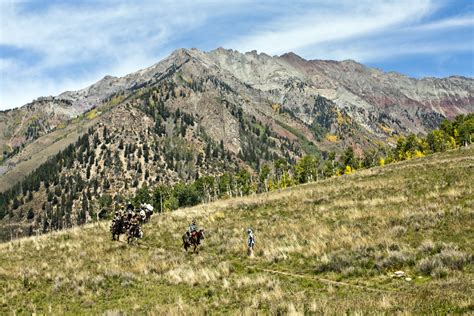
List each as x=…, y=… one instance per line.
x=47, y=47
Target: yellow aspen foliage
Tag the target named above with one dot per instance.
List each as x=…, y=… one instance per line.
x=91, y=114
x=253, y=187
x=61, y=126
x=116, y=100
x=276, y=107
x=418, y=154
x=348, y=170
x=271, y=185
x=456, y=133
x=408, y=155
x=381, y=162
x=151, y=101
x=385, y=129
x=452, y=142
x=286, y=181
x=332, y=138
x=340, y=119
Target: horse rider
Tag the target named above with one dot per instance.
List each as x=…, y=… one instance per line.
x=124, y=219
x=116, y=218
x=250, y=240
x=130, y=208
x=193, y=228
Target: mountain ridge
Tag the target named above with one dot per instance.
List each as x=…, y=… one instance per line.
x=189, y=51
x=357, y=96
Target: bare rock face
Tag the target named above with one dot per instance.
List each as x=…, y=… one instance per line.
x=413, y=105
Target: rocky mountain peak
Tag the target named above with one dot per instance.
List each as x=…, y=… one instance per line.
x=293, y=57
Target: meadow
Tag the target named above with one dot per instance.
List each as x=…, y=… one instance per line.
x=331, y=246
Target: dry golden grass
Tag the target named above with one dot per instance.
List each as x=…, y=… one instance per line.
x=326, y=247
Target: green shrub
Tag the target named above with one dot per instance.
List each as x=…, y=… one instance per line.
x=395, y=259
x=428, y=265
x=453, y=259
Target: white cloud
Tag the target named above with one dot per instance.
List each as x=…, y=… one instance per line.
x=66, y=47
x=379, y=50
x=366, y=31
x=8, y=65
x=111, y=37
x=22, y=91
x=455, y=22
x=352, y=19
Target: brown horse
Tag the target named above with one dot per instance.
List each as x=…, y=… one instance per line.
x=193, y=240
x=117, y=228
x=134, y=233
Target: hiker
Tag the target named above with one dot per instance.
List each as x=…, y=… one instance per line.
x=250, y=241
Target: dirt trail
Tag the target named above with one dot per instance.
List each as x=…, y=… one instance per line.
x=327, y=281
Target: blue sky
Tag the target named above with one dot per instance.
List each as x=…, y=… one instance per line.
x=47, y=47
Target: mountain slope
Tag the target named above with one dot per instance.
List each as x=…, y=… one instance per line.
x=196, y=114
x=325, y=247
x=380, y=103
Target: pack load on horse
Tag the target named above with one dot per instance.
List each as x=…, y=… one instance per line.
x=134, y=231
x=142, y=216
x=193, y=236
x=146, y=212
x=250, y=241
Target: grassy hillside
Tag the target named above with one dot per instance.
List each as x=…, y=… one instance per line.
x=36, y=153
x=326, y=247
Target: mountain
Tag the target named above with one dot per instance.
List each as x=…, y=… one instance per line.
x=198, y=114
x=375, y=100
x=330, y=247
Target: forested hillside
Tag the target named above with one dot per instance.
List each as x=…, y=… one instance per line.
x=109, y=166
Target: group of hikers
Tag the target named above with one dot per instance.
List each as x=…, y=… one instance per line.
x=129, y=221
